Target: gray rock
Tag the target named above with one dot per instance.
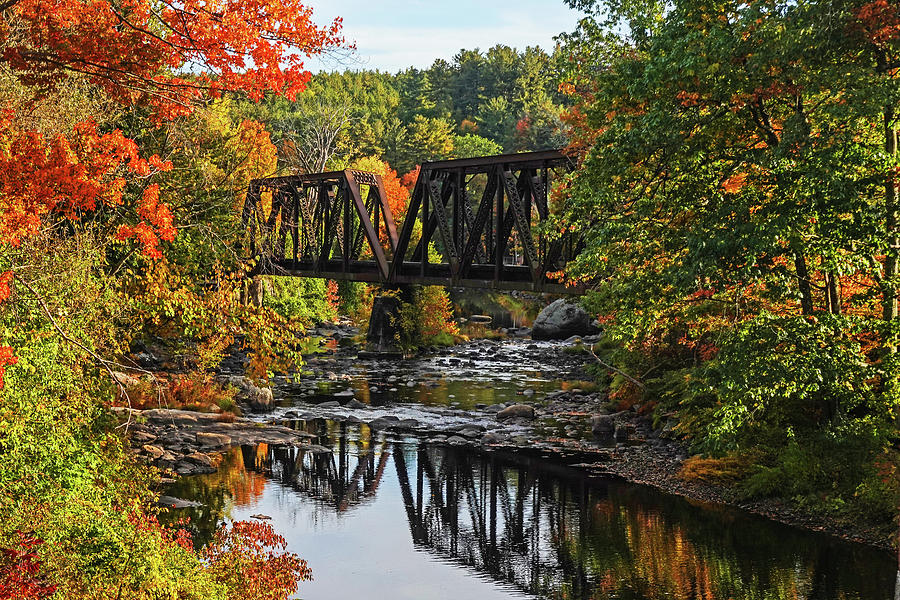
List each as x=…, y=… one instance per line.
x=455, y=440
x=329, y=404
x=561, y=320
x=493, y=438
x=469, y=432
x=125, y=380
x=516, y=411
x=348, y=393
x=384, y=422
x=603, y=426
x=495, y=407
x=315, y=449
x=153, y=452
x=172, y=502
x=213, y=440
x=142, y=437
x=200, y=459
x=529, y=392
x=258, y=398
x=355, y=404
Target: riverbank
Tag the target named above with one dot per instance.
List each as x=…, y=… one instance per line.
x=436, y=397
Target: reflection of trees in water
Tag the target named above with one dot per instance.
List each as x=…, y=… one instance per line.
x=238, y=482
x=547, y=530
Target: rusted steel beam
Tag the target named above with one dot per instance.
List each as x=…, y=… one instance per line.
x=371, y=233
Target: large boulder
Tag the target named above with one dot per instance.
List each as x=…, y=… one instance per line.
x=522, y=411
x=561, y=320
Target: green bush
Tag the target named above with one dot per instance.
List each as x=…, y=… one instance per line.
x=300, y=298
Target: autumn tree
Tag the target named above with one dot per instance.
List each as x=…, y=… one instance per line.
x=736, y=194
x=91, y=202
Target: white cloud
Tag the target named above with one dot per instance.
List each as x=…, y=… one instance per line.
x=424, y=31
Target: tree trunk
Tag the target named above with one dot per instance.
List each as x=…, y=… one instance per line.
x=890, y=202
x=832, y=293
x=256, y=291
x=806, y=298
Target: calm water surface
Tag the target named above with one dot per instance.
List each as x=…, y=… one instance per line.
x=389, y=517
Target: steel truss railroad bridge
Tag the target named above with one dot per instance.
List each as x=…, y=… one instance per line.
x=482, y=216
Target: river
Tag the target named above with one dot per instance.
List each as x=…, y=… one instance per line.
x=405, y=515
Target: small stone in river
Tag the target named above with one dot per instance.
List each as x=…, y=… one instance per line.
x=452, y=396
x=469, y=432
x=393, y=390
x=355, y=404
x=392, y=379
x=406, y=424
x=516, y=410
x=261, y=517
x=410, y=383
x=480, y=405
x=373, y=390
x=492, y=438
x=528, y=392
x=348, y=393
x=172, y=502
x=329, y=404
x=455, y=440
x=495, y=407
x=153, y=451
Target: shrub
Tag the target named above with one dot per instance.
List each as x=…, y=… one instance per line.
x=428, y=319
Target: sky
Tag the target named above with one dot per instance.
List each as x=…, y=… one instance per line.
x=392, y=35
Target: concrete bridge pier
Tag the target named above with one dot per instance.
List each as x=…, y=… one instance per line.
x=384, y=322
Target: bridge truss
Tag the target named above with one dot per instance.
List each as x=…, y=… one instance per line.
x=470, y=223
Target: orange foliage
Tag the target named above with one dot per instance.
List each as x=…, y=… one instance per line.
x=409, y=180
x=735, y=183
x=68, y=178
x=880, y=21
x=132, y=48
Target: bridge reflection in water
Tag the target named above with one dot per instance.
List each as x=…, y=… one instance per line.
x=546, y=530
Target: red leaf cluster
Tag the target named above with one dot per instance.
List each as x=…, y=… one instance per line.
x=134, y=49
x=20, y=572
x=252, y=556
x=880, y=21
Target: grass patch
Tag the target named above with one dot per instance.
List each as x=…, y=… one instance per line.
x=729, y=469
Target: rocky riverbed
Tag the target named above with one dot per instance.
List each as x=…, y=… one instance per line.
x=515, y=394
